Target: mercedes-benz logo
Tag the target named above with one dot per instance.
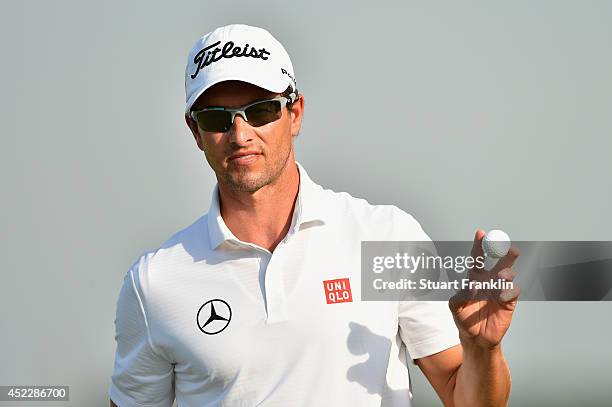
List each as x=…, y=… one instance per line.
x=214, y=316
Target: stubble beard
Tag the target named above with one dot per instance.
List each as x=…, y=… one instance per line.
x=243, y=180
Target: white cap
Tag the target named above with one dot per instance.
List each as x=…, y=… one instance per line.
x=237, y=52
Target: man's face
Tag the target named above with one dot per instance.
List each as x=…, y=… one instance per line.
x=246, y=158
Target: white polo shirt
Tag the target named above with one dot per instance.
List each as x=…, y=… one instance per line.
x=214, y=321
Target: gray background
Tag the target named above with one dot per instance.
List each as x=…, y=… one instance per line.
x=478, y=114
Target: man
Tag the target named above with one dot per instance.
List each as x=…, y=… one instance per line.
x=233, y=311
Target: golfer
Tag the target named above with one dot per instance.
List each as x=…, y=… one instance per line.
x=257, y=303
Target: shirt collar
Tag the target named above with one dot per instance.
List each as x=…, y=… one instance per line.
x=309, y=207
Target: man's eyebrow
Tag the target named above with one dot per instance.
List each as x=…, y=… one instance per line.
x=209, y=106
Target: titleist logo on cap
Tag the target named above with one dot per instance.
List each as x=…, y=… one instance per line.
x=206, y=56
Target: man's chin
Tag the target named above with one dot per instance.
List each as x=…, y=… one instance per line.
x=246, y=182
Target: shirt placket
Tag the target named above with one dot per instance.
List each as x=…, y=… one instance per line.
x=275, y=287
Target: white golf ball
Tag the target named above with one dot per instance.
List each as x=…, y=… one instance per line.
x=496, y=243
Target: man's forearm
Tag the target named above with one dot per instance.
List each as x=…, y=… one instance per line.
x=483, y=379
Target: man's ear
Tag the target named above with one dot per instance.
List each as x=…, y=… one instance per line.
x=195, y=130
x=297, y=113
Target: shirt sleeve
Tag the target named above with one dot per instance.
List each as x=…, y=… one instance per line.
x=140, y=376
x=425, y=327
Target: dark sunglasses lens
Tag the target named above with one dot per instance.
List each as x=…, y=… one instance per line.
x=214, y=120
x=264, y=113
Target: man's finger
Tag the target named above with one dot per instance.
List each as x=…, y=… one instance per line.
x=477, y=248
x=507, y=261
x=507, y=274
x=510, y=294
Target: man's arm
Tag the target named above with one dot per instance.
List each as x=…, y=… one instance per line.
x=475, y=372
x=141, y=374
x=468, y=376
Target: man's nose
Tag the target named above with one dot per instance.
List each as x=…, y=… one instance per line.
x=241, y=132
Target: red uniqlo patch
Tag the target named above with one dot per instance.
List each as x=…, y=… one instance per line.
x=338, y=291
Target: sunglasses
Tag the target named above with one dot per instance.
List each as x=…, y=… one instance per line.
x=220, y=119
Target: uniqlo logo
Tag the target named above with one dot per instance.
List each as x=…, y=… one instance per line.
x=338, y=291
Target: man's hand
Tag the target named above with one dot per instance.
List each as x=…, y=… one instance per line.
x=484, y=316
x=475, y=373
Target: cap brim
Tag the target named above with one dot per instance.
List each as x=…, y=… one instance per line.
x=273, y=85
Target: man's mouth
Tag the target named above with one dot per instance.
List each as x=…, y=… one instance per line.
x=246, y=157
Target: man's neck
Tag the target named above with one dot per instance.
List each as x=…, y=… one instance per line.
x=262, y=217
